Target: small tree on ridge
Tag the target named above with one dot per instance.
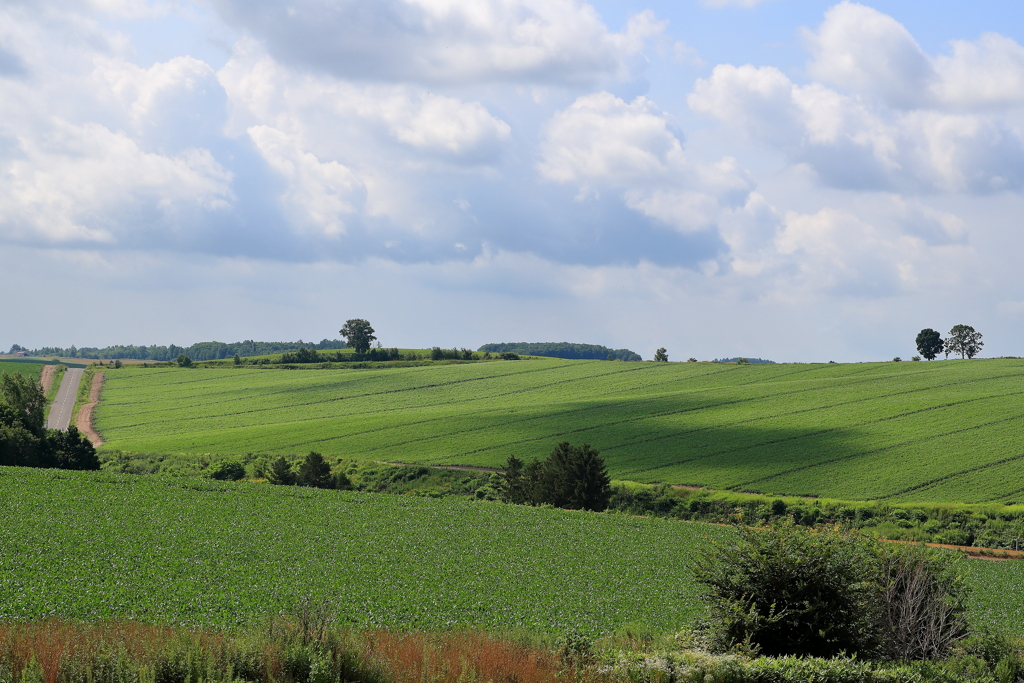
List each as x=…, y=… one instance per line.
x=358, y=334
x=929, y=343
x=964, y=340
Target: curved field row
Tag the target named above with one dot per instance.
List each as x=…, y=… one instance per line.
x=943, y=431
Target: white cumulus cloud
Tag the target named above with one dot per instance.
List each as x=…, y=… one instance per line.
x=545, y=41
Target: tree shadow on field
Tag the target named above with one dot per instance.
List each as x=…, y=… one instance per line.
x=679, y=441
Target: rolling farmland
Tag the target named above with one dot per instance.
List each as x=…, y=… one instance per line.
x=943, y=431
x=92, y=546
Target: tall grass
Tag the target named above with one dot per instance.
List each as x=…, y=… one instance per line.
x=287, y=651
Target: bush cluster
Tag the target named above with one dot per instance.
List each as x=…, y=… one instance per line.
x=572, y=477
x=995, y=527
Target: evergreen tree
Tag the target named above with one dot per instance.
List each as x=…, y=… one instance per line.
x=281, y=472
x=314, y=471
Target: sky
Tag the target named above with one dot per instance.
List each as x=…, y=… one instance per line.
x=795, y=180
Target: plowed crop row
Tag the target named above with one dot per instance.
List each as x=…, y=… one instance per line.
x=942, y=431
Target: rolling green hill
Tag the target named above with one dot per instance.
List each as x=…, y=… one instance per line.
x=942, y=431
x=91, y=545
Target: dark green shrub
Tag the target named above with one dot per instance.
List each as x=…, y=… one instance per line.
x=785, y=590
x=280, y=472
x=228, y=470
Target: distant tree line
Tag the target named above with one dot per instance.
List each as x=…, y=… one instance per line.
x=741, y=359
x=24, y=439
x=304, y=355
x=201, y=351
x=571, y=477
x=562, y=350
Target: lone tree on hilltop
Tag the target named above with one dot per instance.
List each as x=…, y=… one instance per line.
x=964, y=340
x=358, y=334
x=929, y=343
x=661, y=355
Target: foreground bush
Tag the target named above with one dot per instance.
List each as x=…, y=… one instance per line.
x=786, y=590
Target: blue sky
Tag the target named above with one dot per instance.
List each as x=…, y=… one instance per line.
x=801, y=181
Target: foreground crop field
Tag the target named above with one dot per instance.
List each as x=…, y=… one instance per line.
x=94, y=545
x=946, y=431
x=100, y=546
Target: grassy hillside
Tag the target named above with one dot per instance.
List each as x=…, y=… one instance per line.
x=942, y=431
x=96, y=545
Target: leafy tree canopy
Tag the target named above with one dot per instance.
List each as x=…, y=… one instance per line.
x=358, y=333
x=964, y=340
x=661, y=355
x=929, y=343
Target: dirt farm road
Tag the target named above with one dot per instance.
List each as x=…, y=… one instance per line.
x=60, y=413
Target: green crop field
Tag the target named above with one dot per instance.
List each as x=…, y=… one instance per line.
x=31, y=369
x=946, y=431
x=101, y=546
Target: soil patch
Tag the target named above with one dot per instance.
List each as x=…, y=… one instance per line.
x=46, y=378
x=84, y=420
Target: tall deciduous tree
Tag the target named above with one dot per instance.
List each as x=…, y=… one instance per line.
x=661, y=355
x=358, y=334
x=26, y=397
x=964, y=340
x=929, y=343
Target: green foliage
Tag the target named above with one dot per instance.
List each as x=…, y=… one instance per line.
x=661, y=355
x=280, y=473
x=24, y=439
x=964, y=340
x=228, y=470
x=929, y=343
x=924, y=432
x=572, y=477
x=562, y=350
x=358, y=334
x=786, y=591
x=314, y=471
x=24, y=394
x=183, y=361
x=201, y=351
x=437, y=353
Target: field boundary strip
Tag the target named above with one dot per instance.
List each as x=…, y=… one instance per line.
x=84, y=420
